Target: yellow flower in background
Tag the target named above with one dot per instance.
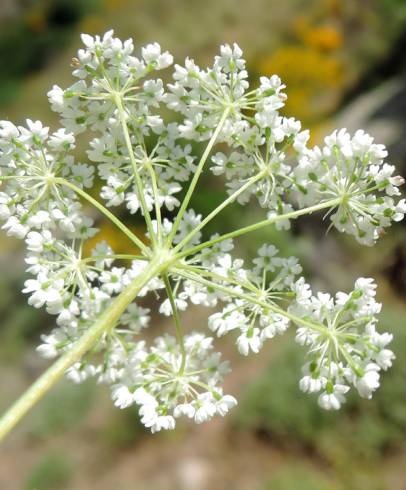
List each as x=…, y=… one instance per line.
x=92, y=24
x=315, y=79
x=114, y=4
x=110, y=234
x=325, y=38
x=36, y=20
x=312, y=67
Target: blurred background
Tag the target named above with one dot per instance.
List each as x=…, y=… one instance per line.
x=345, y=66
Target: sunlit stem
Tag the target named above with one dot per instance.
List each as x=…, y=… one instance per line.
x=12, y=177
x=250, y=299
x=355, y=367
x=106, y=213
x=219, y=208
x=362, y=319
x=95, y=258
x=206, y=387
x=137, y=178
x=105, y=322
x=152, y=174
x=196, y=175
x=176, y=317
x=261, y=224
x=217, y=277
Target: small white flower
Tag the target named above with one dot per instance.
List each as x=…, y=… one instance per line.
x=205, y=412
x=62, y=140
x=35, y=133
x=334, y=399
x=43, y=291
x=36, y=242
x=15, y=228
x=249, y=341
x=385, y=359
x=166, y=422
x=309, y=384
x=166, y=307
x=369, y=382
x=136, y=317
x=122, y=396
x=186, y=409
x=112, y=281
x=49, y=348
x=224, y=405
x=152, y=54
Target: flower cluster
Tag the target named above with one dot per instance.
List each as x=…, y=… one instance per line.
x=144, y=162
x=78, y=289
x=108, y=72
x=352, y=169
x=270, y=280
x=32, y=161
x=344, y=347
x=167, y=386
x=106, y=67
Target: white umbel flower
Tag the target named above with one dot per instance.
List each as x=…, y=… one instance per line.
x=148, y=163
x=333, y=398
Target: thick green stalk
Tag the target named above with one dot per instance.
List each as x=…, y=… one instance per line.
x=261, y=224
x=176, y=318
x=250, y=299
x=120, y=225
x=196, y=175
x=156, y=199
x=219, y=208
x=105, y=322
x=95, y=258
x=138, y=182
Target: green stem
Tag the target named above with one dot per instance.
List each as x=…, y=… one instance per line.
x=105, y=322
x=138, y=182
x=196, y=175
x=95, y=258
x=362, y=319
x=216, y=277
x=156, y=200
x=259, y=225
x=207, y=388
x=106, y=212
x=219, y=208
x=250, y=299
x=354, y=366
x=176, y=317
x=10, y=177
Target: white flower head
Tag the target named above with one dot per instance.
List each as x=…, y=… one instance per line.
x=142, y=159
